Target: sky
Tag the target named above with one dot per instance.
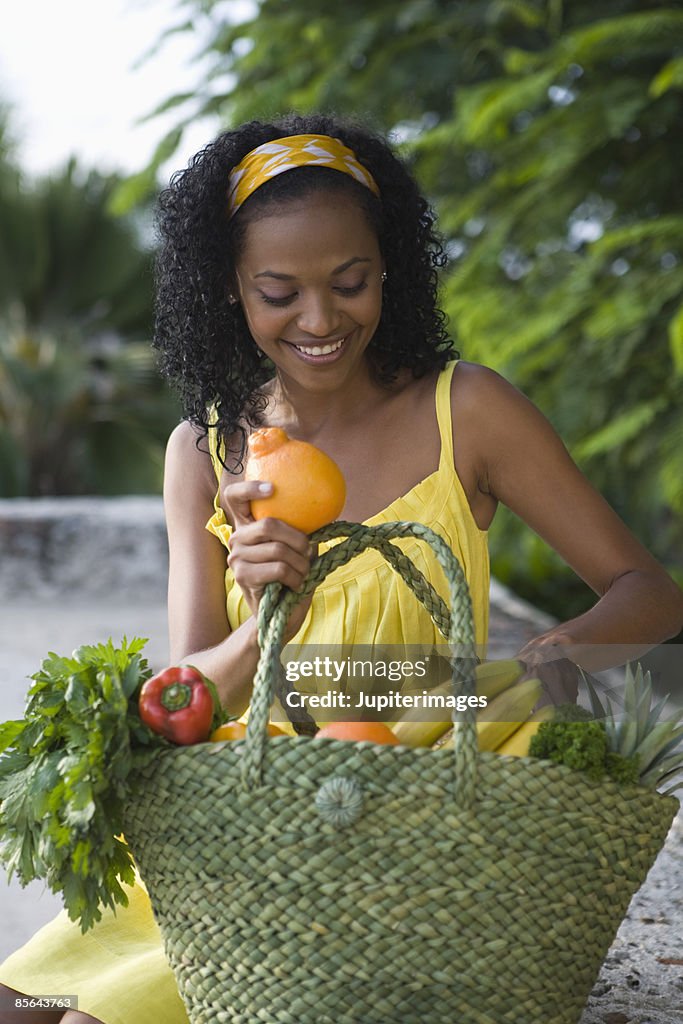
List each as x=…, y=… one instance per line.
x=67, y=70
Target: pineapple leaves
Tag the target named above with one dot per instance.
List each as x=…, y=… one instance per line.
x=638, y=730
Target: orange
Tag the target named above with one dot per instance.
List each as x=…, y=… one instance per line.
x=238, y=730
x=229, y=731
x=308, y=486
x=376, y=732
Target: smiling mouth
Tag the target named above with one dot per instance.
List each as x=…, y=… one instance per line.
x=319, y=350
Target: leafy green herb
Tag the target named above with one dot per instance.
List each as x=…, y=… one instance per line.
x=66, y=771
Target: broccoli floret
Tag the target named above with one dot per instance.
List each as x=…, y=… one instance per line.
x=571, y=713
x=622, y=769
x=582, y=746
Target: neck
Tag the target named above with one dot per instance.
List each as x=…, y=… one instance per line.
x=308, y=414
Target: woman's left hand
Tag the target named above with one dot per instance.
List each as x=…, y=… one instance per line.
x=545, y=658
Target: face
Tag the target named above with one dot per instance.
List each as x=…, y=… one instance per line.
x=310, y=284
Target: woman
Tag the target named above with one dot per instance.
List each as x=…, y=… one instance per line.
x=297, y=288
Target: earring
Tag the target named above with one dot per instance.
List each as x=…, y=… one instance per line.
x=232, y=300
x=384, y=276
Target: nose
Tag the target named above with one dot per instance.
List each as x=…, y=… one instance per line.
x=318, y=316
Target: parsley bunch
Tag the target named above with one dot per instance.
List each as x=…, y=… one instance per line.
x=66, y=772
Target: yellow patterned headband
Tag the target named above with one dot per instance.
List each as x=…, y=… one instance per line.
x=273, y=158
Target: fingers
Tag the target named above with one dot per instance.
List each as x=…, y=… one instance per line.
x=255, y=568
x=238, y=498
x=266, y=551
x=540, y=651
x=263, y=539
x=545, y=658
x=559, y=677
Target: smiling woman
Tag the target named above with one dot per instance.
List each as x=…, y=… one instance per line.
x=301, y=295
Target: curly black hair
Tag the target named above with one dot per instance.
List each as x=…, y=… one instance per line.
x=203, y=340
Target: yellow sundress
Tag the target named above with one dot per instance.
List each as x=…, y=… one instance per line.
x=118, y=969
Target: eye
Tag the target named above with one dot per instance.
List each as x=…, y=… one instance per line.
x=271, y=301
x=353, y=291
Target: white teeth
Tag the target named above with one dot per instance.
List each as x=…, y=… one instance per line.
x=323, y=350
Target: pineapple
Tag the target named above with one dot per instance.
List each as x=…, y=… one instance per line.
x=658, y=745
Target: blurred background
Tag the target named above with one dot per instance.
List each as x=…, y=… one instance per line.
x=549, y=137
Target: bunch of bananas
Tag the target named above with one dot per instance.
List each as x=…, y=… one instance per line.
x=505, y=725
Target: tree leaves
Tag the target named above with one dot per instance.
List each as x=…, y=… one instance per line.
x=676, y=340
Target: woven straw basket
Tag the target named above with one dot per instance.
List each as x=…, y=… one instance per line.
x=301, y=881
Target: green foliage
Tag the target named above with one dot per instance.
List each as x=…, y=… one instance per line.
x=82, y=408
x=67, y=770
x=582, y=746
x=549, y=137
x=79, y=414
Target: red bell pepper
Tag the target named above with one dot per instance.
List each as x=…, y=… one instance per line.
x=179, y=704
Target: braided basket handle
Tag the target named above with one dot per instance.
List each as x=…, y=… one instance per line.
x=457, y=626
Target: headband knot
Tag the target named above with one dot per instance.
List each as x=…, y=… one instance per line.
x=280, y=155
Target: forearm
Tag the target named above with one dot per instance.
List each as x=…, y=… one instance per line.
x=231, y=665
x=639, y=611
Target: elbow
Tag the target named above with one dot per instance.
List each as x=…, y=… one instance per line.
x=660, y=603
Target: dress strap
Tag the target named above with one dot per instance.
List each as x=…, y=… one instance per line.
x=443, y=416
x=215, y=460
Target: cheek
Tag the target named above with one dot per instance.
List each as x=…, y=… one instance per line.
x=372, y=309
x=262, y=321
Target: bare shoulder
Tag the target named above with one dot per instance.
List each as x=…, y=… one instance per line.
x=188, y=470
x=182, y=443
x=474, y=384
x=497, y=420
x=474, y=395
x=483, y=390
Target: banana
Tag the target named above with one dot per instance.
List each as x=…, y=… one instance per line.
x=418, y=734
x=492, y=679
x=517, y=745
x=505, y=714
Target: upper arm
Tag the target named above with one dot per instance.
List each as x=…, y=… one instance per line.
x=197, y=616
x=528, y=468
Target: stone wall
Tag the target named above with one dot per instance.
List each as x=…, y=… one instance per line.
x=85, y=547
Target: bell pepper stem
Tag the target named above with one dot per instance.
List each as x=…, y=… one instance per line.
x=176, y=696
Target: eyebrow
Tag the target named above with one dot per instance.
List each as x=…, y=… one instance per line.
x=337, y=270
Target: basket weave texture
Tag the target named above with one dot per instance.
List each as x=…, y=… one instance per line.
x=301, y=881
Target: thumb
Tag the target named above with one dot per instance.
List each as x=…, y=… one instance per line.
x=238, y=498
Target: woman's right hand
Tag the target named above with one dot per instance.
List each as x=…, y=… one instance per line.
x=265, y=550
